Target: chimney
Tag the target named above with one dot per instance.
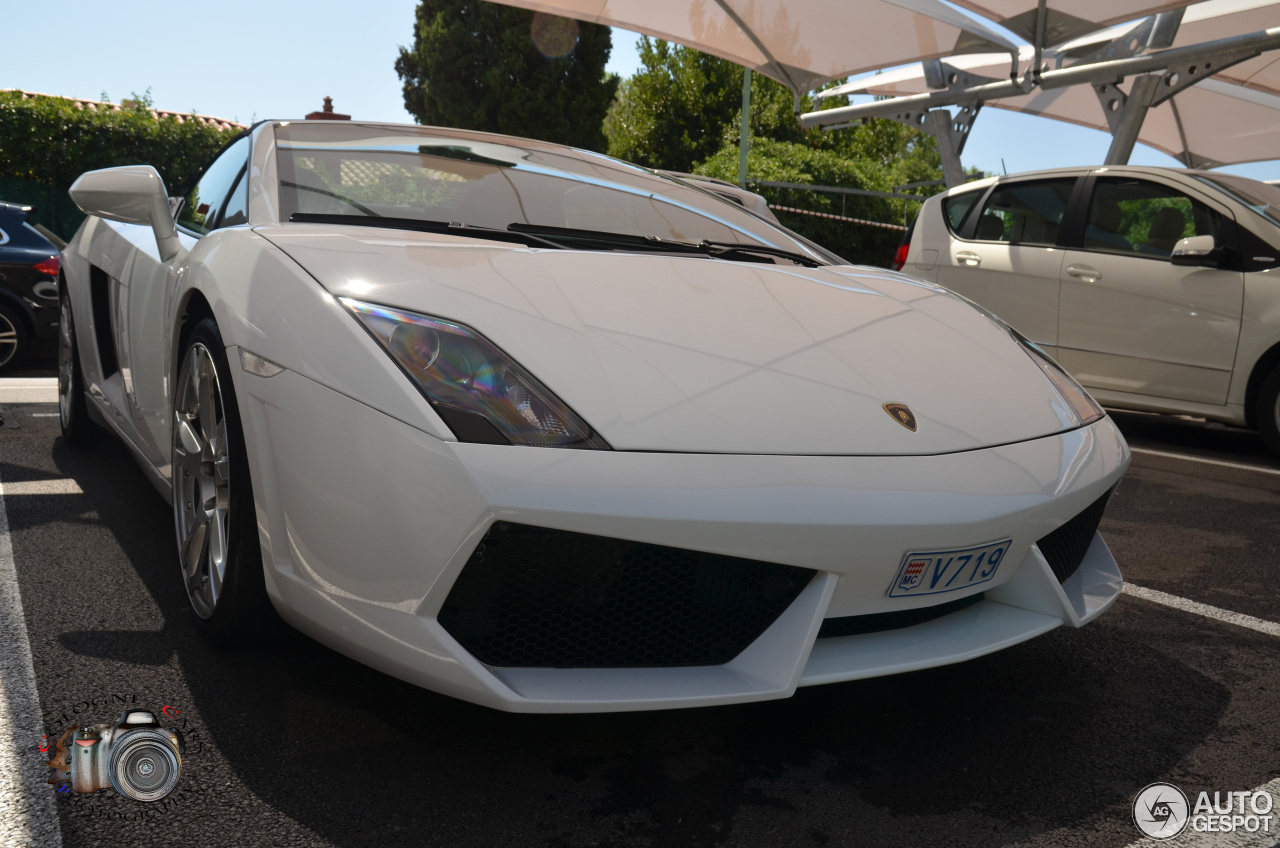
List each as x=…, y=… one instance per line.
x=328, y=114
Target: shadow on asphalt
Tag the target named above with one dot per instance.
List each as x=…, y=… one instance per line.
x=1050, y=734
x=1178, y=434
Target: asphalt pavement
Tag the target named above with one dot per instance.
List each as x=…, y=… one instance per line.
x=1044, y=744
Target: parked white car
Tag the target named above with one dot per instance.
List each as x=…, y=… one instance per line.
x=547, y=431
x=1158, y=289
x=749, y=200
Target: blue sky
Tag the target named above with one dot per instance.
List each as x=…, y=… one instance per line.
x=244, y=60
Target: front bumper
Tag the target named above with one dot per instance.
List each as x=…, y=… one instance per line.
x=367, y=523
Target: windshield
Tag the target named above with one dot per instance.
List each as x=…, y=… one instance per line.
x=1260, y=197
x=479, y=180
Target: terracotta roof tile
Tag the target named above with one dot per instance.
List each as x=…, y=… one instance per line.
x=98, y=106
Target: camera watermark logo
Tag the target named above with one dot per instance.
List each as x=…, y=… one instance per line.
x=1160, y=811
x=142, y=755
x=134, y=755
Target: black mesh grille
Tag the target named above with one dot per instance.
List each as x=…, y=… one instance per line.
x=1065, y=547
x=532, y=597
x=855, y=625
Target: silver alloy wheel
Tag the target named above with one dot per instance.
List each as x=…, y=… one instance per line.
x=201, y=480
x=66, y=362
x=8, y=340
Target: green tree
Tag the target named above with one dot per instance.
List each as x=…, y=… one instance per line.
x=682, y=112
x=879, y=155
x=794, y=162
x=673, y=112
x=484, y=66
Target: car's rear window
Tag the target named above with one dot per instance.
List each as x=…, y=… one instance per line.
x=956, y=207
x=492, y=181
x=1025, y=212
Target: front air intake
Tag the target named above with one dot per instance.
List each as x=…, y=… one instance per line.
x=1064, y=548
x=530, y=597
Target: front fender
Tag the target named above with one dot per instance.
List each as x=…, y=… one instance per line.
x=265, y=303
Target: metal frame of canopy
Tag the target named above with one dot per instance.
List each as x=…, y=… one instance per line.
x=1158, y=76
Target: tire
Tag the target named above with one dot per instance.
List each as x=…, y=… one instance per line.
x=213, y=511
x=1267, y=412
x=73, y=411
x=13, y=337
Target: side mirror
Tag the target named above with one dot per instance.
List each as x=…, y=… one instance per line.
x=134, y=194
x=1197, y=250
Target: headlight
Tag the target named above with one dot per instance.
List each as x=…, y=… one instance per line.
x=479, y=391
x=1084, y=406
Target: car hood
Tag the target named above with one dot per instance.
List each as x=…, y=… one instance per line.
x=677, y=353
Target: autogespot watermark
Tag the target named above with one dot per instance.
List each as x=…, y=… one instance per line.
x=1162, y=811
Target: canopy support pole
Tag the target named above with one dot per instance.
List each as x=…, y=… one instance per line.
x=939, y=126
x=951, y=131
x=1125, y=114
x=1041, y=22
x=744, y=137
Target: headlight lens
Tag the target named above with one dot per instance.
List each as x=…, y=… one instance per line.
x=479, y=391
x=1084, y=406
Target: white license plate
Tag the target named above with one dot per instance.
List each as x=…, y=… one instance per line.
x=934, y=572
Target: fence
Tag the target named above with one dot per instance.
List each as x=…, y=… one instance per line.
x=863, y=226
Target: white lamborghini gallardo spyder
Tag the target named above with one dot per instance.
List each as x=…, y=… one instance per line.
x=546, y=431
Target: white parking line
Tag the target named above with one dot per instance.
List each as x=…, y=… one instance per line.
x=58, y=486
x=1239, y=619
x=1190, y=838
x=27, y=814
x=1240, y=465
x=28, y=389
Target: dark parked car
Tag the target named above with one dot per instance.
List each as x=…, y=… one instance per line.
x=29, y=264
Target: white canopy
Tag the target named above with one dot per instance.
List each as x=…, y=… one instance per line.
x=800, y=43
x=1066, y=18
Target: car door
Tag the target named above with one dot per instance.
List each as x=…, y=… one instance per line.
x=1007, y=258
x=142, y=283
x=1130, y=320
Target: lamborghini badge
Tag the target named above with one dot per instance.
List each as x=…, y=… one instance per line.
x=902, y=414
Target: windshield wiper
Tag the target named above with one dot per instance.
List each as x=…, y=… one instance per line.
x=623, y=241
x=327, y=193
x=603, y=240
x=423, y=225
x=728, y=248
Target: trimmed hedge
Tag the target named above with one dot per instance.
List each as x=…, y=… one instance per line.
x=51, y=141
